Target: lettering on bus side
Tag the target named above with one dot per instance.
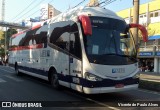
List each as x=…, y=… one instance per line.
x=76, y=71
x=45, y=53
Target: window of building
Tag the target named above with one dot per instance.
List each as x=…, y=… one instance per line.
x=141, y=16
x=132, y=19
x=151, y=15
x=156, y=14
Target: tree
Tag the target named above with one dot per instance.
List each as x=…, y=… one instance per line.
x=1, y=43
x=10, y=32
x=1, y=35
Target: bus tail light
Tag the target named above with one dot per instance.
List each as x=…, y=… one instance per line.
x=86, y=24
x=142, y=29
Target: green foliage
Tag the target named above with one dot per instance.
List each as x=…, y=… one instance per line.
x=9, y=33
x=1, y=35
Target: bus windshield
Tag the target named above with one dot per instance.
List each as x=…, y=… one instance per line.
x=109, y=43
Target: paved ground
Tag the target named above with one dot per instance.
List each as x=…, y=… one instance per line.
x=150, y=76
x=26, y=88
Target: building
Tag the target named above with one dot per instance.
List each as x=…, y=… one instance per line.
x=48, y=11
x=149, y=16
x=93, y=3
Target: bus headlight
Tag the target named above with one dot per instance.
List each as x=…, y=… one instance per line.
x=136, y=76
x=92, y=77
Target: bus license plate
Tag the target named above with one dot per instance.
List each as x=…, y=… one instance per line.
x=119, y=85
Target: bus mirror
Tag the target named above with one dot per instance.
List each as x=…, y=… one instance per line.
x=86, y=24
x=142, y=29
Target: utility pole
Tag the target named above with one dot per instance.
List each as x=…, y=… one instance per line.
x=2, y=18
x=5, y=47
x=3, y=10
x=136, y=19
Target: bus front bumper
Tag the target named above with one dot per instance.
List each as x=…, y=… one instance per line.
x=98, y=90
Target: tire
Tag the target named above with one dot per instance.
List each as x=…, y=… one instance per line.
x=17, y=70
x=54, y=80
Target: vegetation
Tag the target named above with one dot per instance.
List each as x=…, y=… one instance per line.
x=10, y=32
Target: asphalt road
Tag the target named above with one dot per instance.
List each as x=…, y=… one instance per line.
x=26, y=88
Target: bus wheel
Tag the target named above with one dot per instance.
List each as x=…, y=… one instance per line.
x=17, y=70
x=54, y=80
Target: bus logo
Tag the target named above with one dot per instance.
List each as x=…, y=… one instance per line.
x=118, y=70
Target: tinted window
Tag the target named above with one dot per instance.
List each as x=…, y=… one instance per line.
x=75, y=45
x=109, y=43
x=66, y=37
x=60, y=35
x=16, y=40
x=31, y=37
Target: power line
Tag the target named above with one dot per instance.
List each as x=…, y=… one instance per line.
x=29, y=10
x=79, y=3
x=106, y=2
x=111, y=1
x=23, y=10
x=36, y=11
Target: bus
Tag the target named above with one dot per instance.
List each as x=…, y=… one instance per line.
x=89, y=49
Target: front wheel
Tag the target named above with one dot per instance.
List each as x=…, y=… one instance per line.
x=54, y=80
x=17, y=70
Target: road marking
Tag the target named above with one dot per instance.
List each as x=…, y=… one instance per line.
x=1, y=80
x=6, y=70
x=91, y=100
x=148, y=91
x=13, y=78
x=103, y=104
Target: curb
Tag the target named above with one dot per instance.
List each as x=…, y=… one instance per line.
x=149, y=85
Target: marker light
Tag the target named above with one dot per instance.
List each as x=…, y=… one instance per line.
x=86, y=24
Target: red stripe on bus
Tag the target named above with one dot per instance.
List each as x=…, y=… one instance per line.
x=14, y=35
x=37, y=46
x=35, y=27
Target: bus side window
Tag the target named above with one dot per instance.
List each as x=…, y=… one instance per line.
x=63, y=41
x=41, y=35
x=75, y=45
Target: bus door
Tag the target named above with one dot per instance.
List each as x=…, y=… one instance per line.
x=75, y=58
x=59, y=42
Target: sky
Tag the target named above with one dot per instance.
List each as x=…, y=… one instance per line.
x=17, y=10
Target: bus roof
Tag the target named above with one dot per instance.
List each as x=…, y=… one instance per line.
x=89, y=11
x=72, y=14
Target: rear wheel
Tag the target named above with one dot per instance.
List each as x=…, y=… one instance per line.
x=54, y=80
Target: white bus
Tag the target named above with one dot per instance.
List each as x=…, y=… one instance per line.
x=90, y=50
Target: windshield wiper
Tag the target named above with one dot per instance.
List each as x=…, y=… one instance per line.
x=130, y=57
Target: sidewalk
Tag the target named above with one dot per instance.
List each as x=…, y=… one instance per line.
x=150, y=76
x=150, y=81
